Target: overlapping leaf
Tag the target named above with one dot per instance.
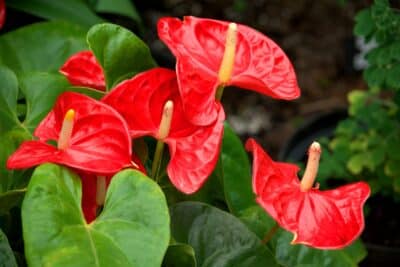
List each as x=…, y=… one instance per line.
x=132, y=230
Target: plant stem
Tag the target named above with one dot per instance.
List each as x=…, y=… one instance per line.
x=155, y=168
x=270, y=234
x=220, y=91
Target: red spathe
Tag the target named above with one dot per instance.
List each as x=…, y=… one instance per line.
x=82, y=69
x=193, y=149
x=330, y=219
x=199, y=45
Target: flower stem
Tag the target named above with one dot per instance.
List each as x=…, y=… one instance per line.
x=270, y=234
x=155, y=168
x=220, y=91
x=100, y=190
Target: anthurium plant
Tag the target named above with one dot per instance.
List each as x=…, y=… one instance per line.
x=108, y=159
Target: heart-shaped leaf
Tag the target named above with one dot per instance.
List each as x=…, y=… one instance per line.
x=62, y=40
x=120, y=52
x=217, y=237
x=7, y=258
x=132, y=230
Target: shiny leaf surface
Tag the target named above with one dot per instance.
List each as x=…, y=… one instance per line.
x=179, y=255
x=62, y=40
x=134, y=219
x=75, y=11
x=120, y=52
x=218, y=238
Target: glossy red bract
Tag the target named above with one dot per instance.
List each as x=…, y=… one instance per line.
x=99, y=143
x=330, y=219
x=82, y=69
x=199, y=44
x=193, y=149
x=2, y=13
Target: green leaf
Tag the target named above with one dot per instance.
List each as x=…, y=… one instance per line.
x=132, y=230
x=121, y=7
x=76, y=11
x=300, y=255
x=217, y=237
x=364, y=23
x=25, y=49
x=120, y=52
x=7, y=258
x=236, y=173
x=8, y=99
x=356, y=163
x=179, y=255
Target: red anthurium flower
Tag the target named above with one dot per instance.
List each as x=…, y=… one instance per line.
x=90, y=136
x=82, y=69
x=328, y=219
x=2, y=13
x=151, y=99
x=212, y=54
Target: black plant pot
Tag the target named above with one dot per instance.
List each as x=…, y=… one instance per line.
x=321, y=125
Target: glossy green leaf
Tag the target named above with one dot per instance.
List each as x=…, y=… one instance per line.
x=120, y=52
x=179, y=255
x=236, y=173
x=41, y=47
x=120, y=7
x=76, y=11
x=300, y=255
x=132, y=230
x=7, y=258
x=8, y=99
x=217, y=237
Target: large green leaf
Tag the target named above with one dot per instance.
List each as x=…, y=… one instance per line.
x=300, y=255
x=120, y=7
x=179, y=255
x=7, y=258
x=132, y=230
x=76, y=11
x=8, y=99
x=217, y=237
x=120, y=52
x=236, y=173
x=41, y=46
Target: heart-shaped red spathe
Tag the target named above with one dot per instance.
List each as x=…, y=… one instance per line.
x=2, y=13
x=193, y=149
x=82, y=69
x=100, y=141
x=199, y=45
x=330, y=219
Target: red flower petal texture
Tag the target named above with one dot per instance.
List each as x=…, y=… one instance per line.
x=199, y=45
x=2, y=13
x=82, y=69
x=193, y=149
x=99, y=143
x=330, y=219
